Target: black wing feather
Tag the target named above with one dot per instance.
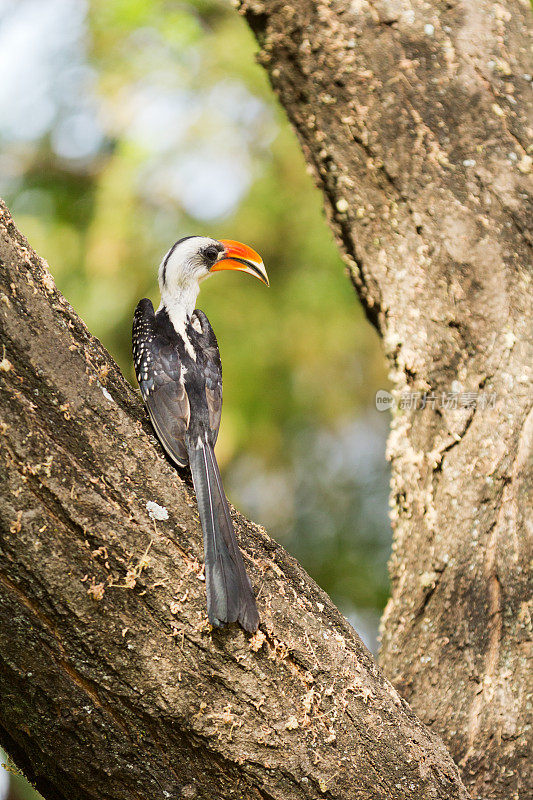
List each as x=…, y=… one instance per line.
x=159, y=373
x=212, y=369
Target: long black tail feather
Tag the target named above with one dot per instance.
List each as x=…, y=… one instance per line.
x=229, y=592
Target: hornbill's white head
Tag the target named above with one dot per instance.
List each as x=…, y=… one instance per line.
x=194, y=258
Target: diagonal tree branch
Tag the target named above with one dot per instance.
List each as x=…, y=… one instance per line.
x=112, y=683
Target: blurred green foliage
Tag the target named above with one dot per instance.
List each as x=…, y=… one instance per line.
x=13, y=784
x=174, y=87
x=163, y=125
x=169, y=81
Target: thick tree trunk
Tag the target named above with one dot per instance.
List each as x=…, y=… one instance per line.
x=413, y=116
x=112, y=684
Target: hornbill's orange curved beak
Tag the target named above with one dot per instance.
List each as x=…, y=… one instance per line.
x=240, y=257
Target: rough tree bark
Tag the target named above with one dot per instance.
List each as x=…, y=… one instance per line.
x=415, y=118
x=111, y=683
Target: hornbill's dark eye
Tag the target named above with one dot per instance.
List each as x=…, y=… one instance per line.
x=211, y=253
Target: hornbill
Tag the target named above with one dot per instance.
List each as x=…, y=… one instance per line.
x=178, y=368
